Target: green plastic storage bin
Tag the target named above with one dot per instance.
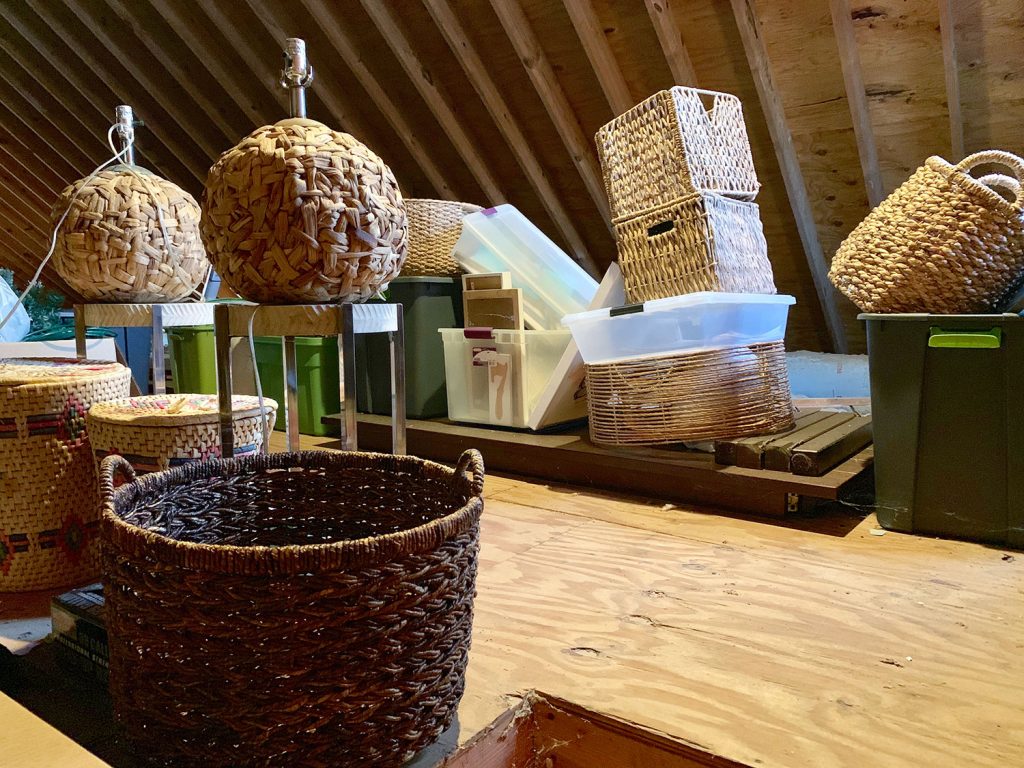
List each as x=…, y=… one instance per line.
x=193, y=359
x=428, y=303
x=316, y=361
x=948, y=422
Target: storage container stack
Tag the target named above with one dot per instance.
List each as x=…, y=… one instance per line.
x=681, y=183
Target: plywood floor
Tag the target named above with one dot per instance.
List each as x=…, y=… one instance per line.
x=805, y=643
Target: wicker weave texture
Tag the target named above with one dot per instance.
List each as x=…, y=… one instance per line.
x=714, y=394
x=158, y=432
x=671, y=146
x=300, y=213
x=703, y=242
x=49, y=506
x=111, y=246
x=319, y=616
x=942, y=243
x=434, y=228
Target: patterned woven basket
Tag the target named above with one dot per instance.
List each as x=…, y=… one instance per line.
x=942, y=243
x=299, y=213
x=49, y=505
x=703, y=242
x=111, y=246
x=434, y=228
x=290, y=609
x=706, y=395
x=157, y=432
x=670, y=146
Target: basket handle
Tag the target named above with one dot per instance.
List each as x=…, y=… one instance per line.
x=109, y=468
x=999, y=181
x=997, y=157
x=471, y=461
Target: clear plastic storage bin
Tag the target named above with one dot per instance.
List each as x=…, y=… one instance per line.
x=495, y=376
x=697, y=321
x=501, y=239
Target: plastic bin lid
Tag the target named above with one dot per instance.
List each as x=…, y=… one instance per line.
x=704, y=298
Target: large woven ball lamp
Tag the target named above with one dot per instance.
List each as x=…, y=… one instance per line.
x=300, y=213
x=129, y=236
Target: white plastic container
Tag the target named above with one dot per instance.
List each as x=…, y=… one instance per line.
x=496, y=376
x=501, y=239
x=690, y=323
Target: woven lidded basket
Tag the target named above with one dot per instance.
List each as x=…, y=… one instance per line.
x=157, y=432
x=49, y=504
x=111, y=246
x=672, y=145
x=706, y=395
x=434, y=228
x=297, y=213
x=943, y=242
x=703, y=242
x=290, y=609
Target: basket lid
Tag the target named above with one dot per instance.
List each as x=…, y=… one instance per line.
x=16, y=372
x=175, y=410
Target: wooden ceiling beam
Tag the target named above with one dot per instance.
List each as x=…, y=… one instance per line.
x=436, y=98
x=667, y=28
x=950, y=62
x=15, y=201
x=14, y=123
x=599, y=53
x=16, y=183
x=857, y=98
x=789, y=163
x=40, y=189
x=345, y=46
x=581, y=149
x=185, y=154
x=460, y=44
x=87, y=89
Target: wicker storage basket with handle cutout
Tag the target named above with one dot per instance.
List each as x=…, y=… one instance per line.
x=671, y=145
x=942, y=243
x=290, y=609
x=49, y=503
x=434, y=228
x=300, y=213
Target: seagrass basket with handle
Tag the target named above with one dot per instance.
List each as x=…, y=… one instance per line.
x=943, y=242
x=434, y=228
x=308, y=609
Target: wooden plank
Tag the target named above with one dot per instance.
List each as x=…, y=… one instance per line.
x=666, y=25
x=26, y=741
x=789, y=163
x=817, y=456
x=436, y=97
x=749, y=451
x=856, y=97
x=600, y=54
x=341, y=40
x=778, y=452
x=951, y=66
x=461, y=45
x=520, y=33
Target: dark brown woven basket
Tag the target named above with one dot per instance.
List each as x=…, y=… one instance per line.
x=306, y=609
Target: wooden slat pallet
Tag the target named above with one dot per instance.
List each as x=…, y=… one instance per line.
x=819, y=441
x=669, y=473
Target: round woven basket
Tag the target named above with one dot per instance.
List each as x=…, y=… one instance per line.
x=49, y=505
x=157, y=432
x=708, y=395
x=943, y=242
x=111, y=246
x=297, y=213
x=290, y=609
x=434, y=228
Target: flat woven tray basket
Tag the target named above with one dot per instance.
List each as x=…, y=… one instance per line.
x=707, y=395
x=157, y=432
x=49, y=503
x=304, y=609
x=434, y=228
x=703, y=242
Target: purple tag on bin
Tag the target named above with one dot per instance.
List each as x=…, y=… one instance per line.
x=489, y=211
x=478, y=333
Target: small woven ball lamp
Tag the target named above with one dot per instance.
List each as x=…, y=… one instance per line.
x=129, y=236
x=299, y=213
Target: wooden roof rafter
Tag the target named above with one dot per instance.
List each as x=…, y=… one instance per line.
x=667, y=28
x=951, y=66
x=600, y=55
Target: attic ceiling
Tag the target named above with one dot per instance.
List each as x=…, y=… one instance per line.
x=498, y=101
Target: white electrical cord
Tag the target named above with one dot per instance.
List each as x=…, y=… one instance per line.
x=264, y=418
